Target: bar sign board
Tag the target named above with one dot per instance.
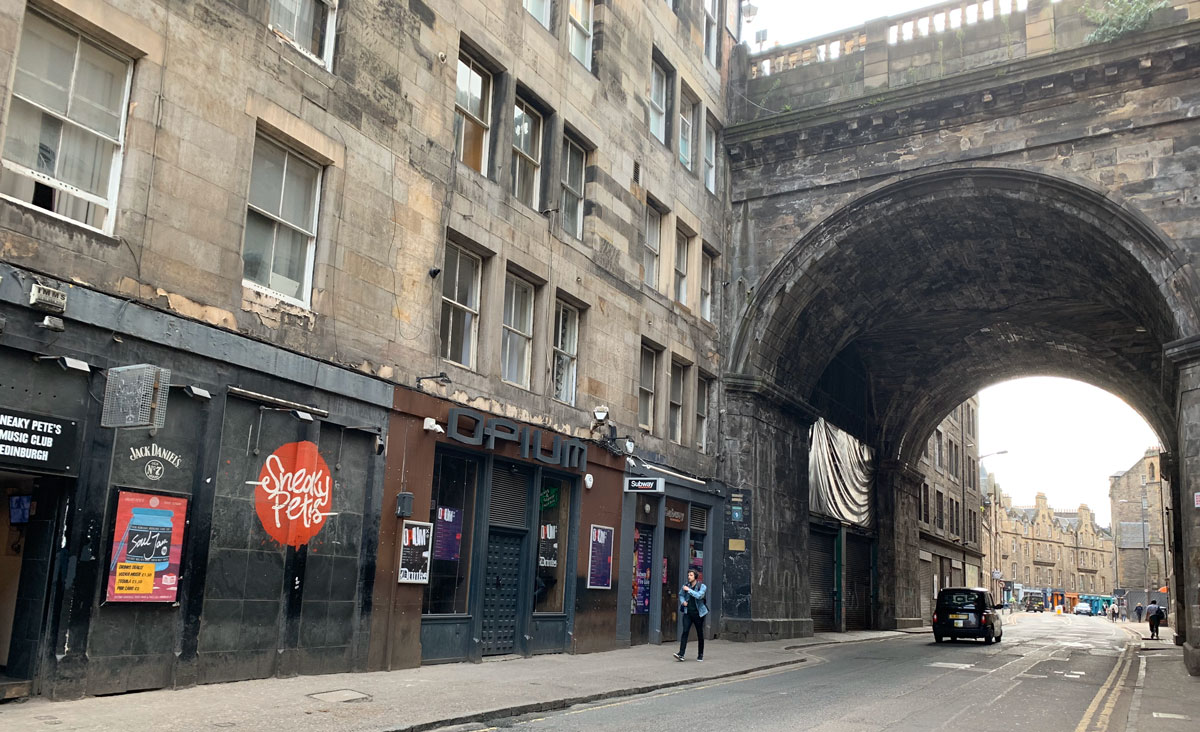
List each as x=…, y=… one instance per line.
x=645, y=485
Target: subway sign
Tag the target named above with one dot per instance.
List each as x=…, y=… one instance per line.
x=645, y=485
x=564, y=452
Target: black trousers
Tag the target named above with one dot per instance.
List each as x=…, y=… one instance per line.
x=1154, y=623
x=688, y=622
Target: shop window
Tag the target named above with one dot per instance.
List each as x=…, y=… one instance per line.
x=452, y=514
x=566, y=351
x=554, y=512
x=517, y=340
x=66, y=125
x=579, y=30
x=308, y=24
x=460, y=305
x=471, y=115
x=281, y=222
x=573, y=159
x=527, y=154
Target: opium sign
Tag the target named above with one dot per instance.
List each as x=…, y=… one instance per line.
x=565, y=452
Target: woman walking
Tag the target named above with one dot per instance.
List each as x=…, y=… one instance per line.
x=691, y=597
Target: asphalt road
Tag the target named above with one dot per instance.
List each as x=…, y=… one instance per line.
x=1049, y=672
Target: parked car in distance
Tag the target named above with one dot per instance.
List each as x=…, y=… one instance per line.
x=965, y=612
x=1035, y=605
x=1083, y=609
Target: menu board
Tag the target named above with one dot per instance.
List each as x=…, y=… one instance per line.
x=415, y=540
x=643, y=543
x=600, y=558
x=447, y=533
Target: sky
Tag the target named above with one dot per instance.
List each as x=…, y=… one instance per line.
x=796, y=20
x=1064, y=438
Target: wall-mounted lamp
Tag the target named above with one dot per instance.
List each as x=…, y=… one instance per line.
x=52, y=323
x=440, y=378
x=431, y=425
x=66, y=363
x=196, y=392
x=300, y=414
x=600, y=413
x=588, y=480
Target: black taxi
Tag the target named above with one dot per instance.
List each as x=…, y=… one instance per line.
x=966, y=612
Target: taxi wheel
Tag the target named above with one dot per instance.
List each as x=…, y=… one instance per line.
x=988, y=638
x=937, y=638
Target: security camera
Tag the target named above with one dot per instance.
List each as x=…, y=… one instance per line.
x=431, y=425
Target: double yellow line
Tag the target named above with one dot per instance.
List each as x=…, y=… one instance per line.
x=1110, y=688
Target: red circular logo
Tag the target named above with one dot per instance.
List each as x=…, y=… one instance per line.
x=293, y=493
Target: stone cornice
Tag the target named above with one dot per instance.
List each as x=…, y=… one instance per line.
x=768, y=390
x=1183, y=351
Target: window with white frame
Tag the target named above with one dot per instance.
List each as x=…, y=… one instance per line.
x=517, y=339
x=471, y=114
x=646, y=373
x=579, y=30
x=682, y=253
x=658, y=102
x=675, y=406
x=540, y=10
x=566, y=351
x=702, y=393
x=706, y=285
x=527, y=153
x=687, y=117
x=573, y=158
x=711, y=34
x=460, y=305
x=309, y=24
x=281, y=221
x=66, y=125
x=710, y=157
x=651, y=248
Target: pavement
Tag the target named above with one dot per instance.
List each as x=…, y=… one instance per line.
x=422, y=698
x=1162, y=695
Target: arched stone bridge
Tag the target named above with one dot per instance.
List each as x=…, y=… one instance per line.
x=921, y=213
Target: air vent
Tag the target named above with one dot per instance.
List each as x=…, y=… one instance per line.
x=698, y=519
x=637, y=173
x=509, y=490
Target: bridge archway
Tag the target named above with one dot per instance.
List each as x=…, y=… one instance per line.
x=903, y=303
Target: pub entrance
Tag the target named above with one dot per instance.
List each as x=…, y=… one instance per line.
x=508, y=526
x=30, y=519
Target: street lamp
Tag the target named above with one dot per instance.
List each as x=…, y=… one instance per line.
x=998, y=452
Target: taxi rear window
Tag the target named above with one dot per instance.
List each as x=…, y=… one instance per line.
x=962, y=600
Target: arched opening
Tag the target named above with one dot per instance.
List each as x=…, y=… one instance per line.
x=897, y=308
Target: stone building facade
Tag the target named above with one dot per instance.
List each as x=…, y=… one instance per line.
x=951, y=535
x=463, y=260
x=1139, y=523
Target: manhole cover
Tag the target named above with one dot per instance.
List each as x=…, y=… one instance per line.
x=341, y=695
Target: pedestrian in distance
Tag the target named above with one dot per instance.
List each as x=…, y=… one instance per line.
x=1156, y=614
x=1138, y=610
x=692, y=603
x=1112, y=612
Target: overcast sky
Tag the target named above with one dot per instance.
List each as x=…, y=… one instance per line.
x=1064, y=438
x=796, y=20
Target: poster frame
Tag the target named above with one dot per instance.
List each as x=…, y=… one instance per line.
x=592, y=548
x=110, y=546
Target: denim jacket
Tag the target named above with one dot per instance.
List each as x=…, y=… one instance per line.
x=697, y=596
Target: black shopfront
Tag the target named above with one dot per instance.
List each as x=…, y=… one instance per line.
x=505, y=540
x=170, y=555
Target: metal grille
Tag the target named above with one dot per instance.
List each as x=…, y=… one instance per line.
x=926, y=591
x=136, y=396
x=820, y=580
x=858, y=583
x=698, y=519
x=510, y=488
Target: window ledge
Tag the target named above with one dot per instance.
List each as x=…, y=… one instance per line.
x=285, y=40
x=54, y=219
x=256, y=294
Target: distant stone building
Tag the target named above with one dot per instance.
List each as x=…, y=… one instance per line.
x=1136, y=495
x=949, y=517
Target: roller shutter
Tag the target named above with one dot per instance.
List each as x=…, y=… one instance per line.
x=858, y=583
x=926, y=592
x=820, y=580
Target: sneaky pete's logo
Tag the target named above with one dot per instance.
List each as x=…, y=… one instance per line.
x=293, y=493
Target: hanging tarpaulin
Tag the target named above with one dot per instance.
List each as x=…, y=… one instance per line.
x=840, y=472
